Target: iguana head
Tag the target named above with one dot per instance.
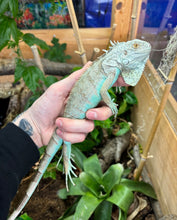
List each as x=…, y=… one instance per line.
x=131, y=57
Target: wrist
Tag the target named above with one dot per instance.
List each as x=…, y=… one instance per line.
x=26, y=123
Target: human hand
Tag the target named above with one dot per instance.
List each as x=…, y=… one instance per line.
x=42, y=118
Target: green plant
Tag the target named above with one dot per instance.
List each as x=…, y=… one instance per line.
x=24, y=217
x=10, y=37
x=56, y=52
x=95, y=138
x=99, y=192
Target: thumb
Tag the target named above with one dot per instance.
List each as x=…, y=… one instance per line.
x=69, y=82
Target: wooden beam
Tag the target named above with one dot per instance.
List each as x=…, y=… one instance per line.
x=121, y=15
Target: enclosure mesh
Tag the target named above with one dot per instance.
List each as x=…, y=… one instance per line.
x=167, y=61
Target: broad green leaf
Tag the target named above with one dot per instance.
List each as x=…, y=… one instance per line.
x=122, y=89
x=5, y=33
x=112, y=93
x=68, y=218
x=122, y=215
x=3, y=44
x=62, y=193
x=76, y=68
x=20, y=68
x=49, y=80
x=112, y=177
x=31, y=76
x=122, y=196
x=15, y=33
x=124, y=128
x=137, y=186
x=13, y=5
x=94, y=134
x=86, y=145
x=104, y=124
x=30, y=39
x=86, y=207
x=92, y=166
x=42, y=150
x=79, y=157
x=131, y=98
x=56, y=52
x=122, y=108
x=76, y=190
x=103, y=211
x=8, y=31
x=32, y=99
x=24, y=217
x=3, y=6
x=68, y=214
x=51, y=171
x=90, y=183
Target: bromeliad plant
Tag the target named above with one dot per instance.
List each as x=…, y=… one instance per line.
x=100, y=191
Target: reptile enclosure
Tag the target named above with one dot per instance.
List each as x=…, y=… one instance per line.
x=162, y=167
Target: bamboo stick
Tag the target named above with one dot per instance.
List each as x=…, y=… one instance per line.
x=37, y=58
x=161, y=107
x=135, y=18
x=112, y=35
x=95, y=52
x=72, y=14
x=38, y=62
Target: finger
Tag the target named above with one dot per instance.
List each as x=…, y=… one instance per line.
x=100, y=113
x=120, y=82
x=71, y=137
x=75, y=125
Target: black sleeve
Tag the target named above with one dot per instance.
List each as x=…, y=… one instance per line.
x=18, y=153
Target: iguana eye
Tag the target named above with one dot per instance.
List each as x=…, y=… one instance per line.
x=135, y=45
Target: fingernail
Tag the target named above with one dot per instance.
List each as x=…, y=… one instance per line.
x=59, y=132
x=60, y=124
x=92, y=115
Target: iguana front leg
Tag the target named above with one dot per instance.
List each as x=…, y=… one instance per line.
x=112, y=78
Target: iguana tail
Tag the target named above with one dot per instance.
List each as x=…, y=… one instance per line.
x=52, y=148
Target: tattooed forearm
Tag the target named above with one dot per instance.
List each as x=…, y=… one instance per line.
x=18, y=116
x=26, y=126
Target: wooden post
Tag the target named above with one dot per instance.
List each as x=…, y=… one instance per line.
x=112, y=35
x=94, y=54
x=121, y=15
x=157, y=119
x=72, y=14
x=135, y=18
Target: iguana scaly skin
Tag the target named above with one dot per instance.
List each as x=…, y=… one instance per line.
x=126, y=59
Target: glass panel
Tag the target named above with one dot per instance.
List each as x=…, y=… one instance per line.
x=158, y=20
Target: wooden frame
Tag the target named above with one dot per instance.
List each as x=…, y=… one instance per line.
x=162, y=167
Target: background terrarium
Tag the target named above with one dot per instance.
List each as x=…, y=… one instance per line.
x=48, y=25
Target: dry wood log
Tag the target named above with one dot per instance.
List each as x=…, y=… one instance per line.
x=113, y=150
x=7, y=67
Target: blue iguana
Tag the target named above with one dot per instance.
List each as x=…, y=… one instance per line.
x=125, y=58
